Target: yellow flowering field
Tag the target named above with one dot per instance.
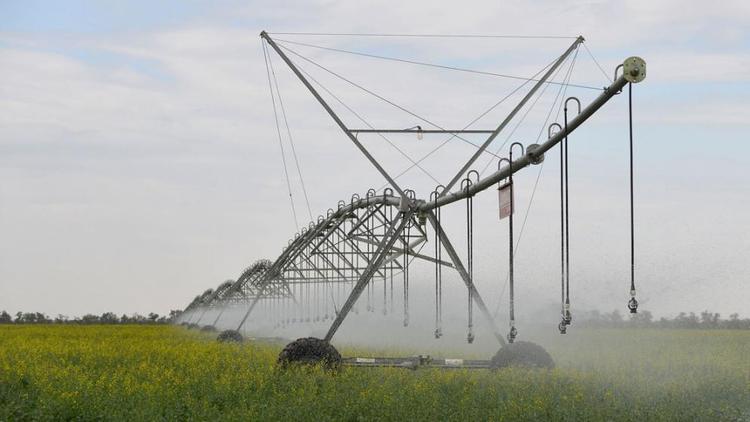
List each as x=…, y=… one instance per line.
x=67, y=372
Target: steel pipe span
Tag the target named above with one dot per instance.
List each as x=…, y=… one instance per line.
x=530, y=156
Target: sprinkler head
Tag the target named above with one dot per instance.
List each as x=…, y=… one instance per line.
x=470, y=337
x=633, y=305
x=512, y=334
x=422, y=216
x=567, y=317
x=563, y=327
x=438, y=332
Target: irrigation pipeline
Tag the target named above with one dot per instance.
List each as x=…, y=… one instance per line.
x=530, y=155
x=360, y=220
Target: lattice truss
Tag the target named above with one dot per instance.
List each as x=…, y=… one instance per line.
x=365, y=246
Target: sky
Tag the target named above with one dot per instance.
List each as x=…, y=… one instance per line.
x=140, y=163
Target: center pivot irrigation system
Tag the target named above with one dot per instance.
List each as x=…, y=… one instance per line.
x=366, y=244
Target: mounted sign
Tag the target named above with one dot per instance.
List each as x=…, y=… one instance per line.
x=506, y=200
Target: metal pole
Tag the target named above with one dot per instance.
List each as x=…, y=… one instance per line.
x=465, y=276
x=512, y=114
x=330, y=111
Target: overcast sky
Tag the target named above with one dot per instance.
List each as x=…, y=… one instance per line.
x=139, y=163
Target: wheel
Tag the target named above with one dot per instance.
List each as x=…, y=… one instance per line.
x=522, y=354
x=310, y=351
x=229, y=336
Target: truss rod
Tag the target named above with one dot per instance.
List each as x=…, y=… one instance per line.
x=330, y=111
x=465, y=276
x=385, y=245
x=418, y=131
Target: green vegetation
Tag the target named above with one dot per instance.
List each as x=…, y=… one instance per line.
x=152, y=372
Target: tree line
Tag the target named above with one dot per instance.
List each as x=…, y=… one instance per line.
x=644, y=319
x=593, y=319
x=105, y=318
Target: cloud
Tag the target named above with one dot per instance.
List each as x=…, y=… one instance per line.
x=141, y=168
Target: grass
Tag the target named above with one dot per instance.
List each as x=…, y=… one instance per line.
x=169, y=373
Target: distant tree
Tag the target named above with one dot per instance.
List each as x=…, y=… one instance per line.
x=90, y=319
x=615, y=318
x=108, y=318
x=61, y=319
x=174, y=314
x=19, y=317
x=734, y=321
x=152, y=317
x=641, y=319
x=709, y=320
x=5, y=318
x=137, y=319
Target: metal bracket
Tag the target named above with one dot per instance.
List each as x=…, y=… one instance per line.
x=534, y=158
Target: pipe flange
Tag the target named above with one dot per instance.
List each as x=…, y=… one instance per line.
x=535, y=158
x=634, y=69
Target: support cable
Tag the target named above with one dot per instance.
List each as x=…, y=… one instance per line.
x=450, y=138
x=427, y=64
x=424, y=35
x=378, y=96
x=281, y=144
x=527, y=112
x=291, y=139
x=358, y=116
x=597, y=63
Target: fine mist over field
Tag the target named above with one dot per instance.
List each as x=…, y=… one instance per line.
x=55, y=372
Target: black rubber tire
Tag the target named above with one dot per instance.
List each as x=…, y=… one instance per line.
x=208, y=328
x=522, y=354
x=310, y=351
x=230, y=336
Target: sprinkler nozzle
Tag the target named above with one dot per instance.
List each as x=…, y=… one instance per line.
x=633, y=305
x=512, y=334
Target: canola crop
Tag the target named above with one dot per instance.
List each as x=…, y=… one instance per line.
x=133, y=373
